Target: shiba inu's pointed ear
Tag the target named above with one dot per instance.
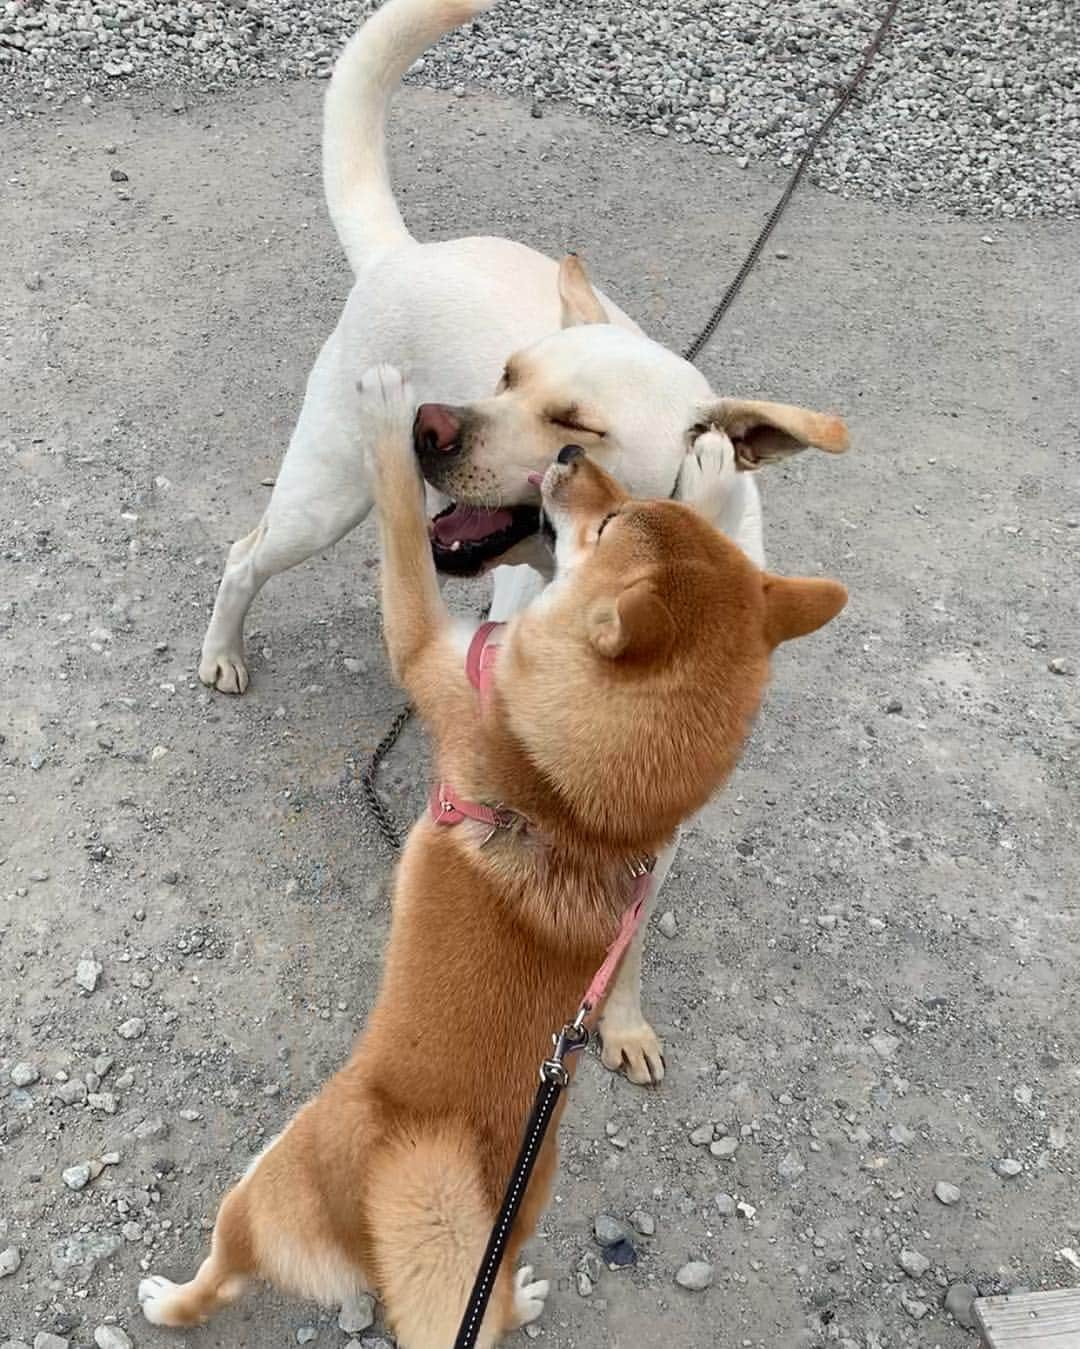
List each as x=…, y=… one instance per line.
x=636, y=624
x=762, y=432
x=579, y=300
x=796, y=606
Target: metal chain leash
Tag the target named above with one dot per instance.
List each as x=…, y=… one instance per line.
x=378, y=810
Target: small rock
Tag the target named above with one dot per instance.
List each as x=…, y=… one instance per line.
x=118, y=175
x=46, y=1341
x=77, y=1177
x=132, y=1029
x=111, y=1337
x=695, y=1275
x=1008, y=1167
x=884, y=1045
x=914, y=1308
x=725, y=1205
x=152, y=1128
x=619, y=1254
x=608, y=1230
x=894, y=705
x=33, y=281
x=74, y=1258
x=306, y=1334
x=10, y=1260
x=87, y=973
x=24, y=1075
x=946, y=1193
x=1059, y=666
x=912, y=1263
x=584, y=1284
x=643, y=1222
x=667, y=924
x=791, y=1167
x=701, y=1135
x=358, y=1314
x=724, y=1148
x=958, y=1303
x=70, y=1093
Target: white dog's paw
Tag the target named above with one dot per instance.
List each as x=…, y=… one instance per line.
x=387, y=403
x=224, y=670
x=157, y=1296
x=529, y=1296
x=708, y=473
x=634, y=1048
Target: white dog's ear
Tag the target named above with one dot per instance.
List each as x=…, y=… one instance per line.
x=761, y=432
x=579, y=300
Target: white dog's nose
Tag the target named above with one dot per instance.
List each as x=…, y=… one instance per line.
x=436, y=427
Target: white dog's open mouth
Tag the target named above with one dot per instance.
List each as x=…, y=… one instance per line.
x=464, y=539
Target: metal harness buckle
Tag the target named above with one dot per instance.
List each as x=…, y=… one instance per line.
x=570, y=1039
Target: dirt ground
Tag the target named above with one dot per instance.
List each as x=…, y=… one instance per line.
x=873, y=982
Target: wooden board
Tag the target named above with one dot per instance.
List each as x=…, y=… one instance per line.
x=1031, y=1320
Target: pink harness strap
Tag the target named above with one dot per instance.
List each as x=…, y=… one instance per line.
x=481, y=657
x=628, y=926
x=448, y=808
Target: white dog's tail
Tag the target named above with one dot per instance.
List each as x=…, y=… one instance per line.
x=355, y=174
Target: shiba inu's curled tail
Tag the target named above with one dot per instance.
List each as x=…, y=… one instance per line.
x=355, y=174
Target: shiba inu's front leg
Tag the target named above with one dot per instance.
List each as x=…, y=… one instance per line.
x=417, y=625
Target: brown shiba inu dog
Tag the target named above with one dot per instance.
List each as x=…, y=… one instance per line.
x=619, y=702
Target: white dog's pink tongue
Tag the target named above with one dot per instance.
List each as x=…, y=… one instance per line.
x=467, y=524
x=535, y=479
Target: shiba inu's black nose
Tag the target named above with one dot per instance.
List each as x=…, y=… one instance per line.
x=569, y=453
x=436, y=427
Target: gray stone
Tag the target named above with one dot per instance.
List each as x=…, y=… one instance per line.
x=958, y=1303
x=667, y=924
x=724, y=1148
x=791, y=1167
x=946, y=1193
x=24, y=1075
x=884, y=1045
x=643, y=1222
x=87, y=973
x=44, y=1340
x=111, y=1337
x=1008, y=1167
x=357, y=1314
x=132, y=1029
x=607, y=1229
x=701, y=1135
x=725, y=1205
x=695, y=1275
x=74, y=1258
x=77, y=1177
x=10, y=1260
x=912, y=1263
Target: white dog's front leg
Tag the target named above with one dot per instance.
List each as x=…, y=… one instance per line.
x=629, y=1042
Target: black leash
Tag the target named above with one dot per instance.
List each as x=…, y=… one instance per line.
x=376, y=808
x=693, y=351
x=553, y=1082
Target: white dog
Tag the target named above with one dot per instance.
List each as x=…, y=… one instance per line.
x=531, y=357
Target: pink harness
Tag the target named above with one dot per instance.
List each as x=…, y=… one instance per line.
x=448, y=808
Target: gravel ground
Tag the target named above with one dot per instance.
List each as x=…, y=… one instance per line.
x=971, y=106
x=869, y=977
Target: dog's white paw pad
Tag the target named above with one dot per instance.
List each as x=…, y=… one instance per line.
x=529, y=1296
x=154, y=1295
